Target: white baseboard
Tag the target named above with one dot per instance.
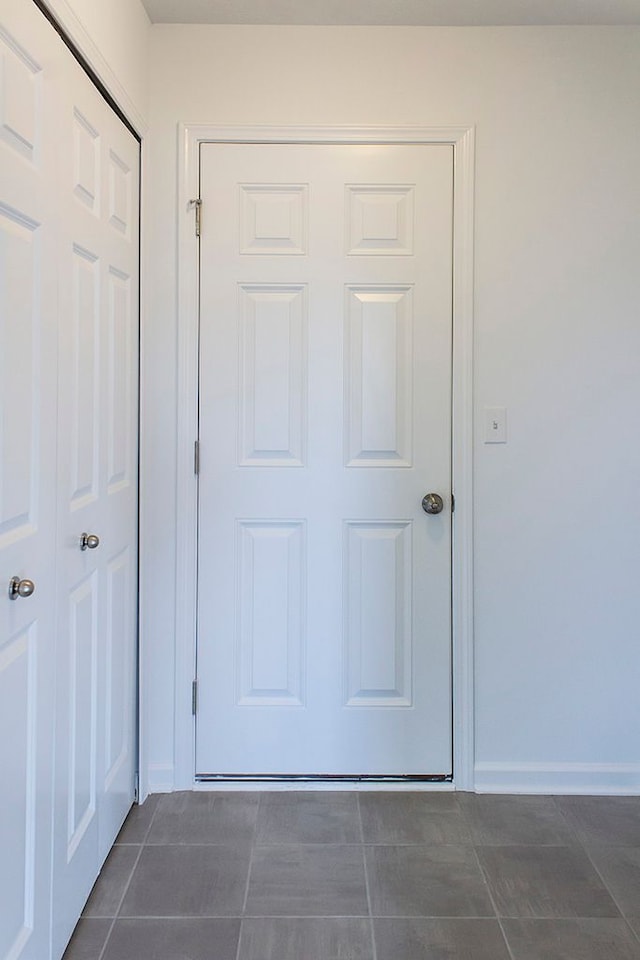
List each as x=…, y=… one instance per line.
x=558, y=778
x=160, y=778
x=605, y=779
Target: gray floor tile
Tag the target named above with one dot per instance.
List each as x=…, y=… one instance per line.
x=606, y=820
x=419, y=939
x=191, y=939
x=516, y=819
x=188, y=881
x=110, y=886
x=136, y=826
x=269, y=938
x=307, y=880
x=634, y=923
x=413, y=818
x=308, y=818
x=619, y=867
x=205, y=818
x=571, y=940
x=88, y=939
x=426, y=881
x=539, y=881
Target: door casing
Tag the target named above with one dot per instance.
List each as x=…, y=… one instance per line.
x=462, y=138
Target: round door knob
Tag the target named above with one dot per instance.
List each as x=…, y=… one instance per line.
x=432, y=503
x=89, y=541
x=20, y=588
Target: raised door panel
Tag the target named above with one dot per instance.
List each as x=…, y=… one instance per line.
x=81, y=370
x=379, y=376
x=270, y=613
x=378, y=615
x=80, y=704
x=272, y=403
x=18, y=867
x=21, y=241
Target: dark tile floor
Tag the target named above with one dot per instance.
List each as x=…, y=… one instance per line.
x=368, y=876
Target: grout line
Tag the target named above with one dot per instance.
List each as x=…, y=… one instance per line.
x=246, y=889
x=120, y=902
x=358, y=916
x=633, y=930
x=108, y=937
x=151, y=821
x=493, y=903
x=568, y=820
x=584, y=846
x=605, y=884
x=126, y=888
x=276, y=916
x=366, y=881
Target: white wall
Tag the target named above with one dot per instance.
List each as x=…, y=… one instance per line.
x=114, y=37
x=557, y=540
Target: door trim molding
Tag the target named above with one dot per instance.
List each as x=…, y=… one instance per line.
x=462, y=138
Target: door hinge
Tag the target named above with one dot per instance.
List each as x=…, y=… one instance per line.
x=136, y=788
x=453, y=503
x=196, y=458
x=197, y=203
x=194, y=697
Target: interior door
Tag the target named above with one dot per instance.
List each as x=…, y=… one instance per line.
x=28, y=286
x=97, y=484
x=324, y=589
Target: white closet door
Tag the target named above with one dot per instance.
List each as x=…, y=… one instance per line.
x=27, y=468
x=97, y=491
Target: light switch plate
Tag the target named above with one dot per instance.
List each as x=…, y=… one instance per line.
x=495, y=425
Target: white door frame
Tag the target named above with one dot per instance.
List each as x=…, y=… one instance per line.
x=462, y=140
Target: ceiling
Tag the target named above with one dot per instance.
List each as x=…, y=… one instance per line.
x=396, y=12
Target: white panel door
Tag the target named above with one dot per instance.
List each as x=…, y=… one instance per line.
x=324, y=636
x=28, y=316
x=97, y=491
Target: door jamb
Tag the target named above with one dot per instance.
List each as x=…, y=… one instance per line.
x=462, y=138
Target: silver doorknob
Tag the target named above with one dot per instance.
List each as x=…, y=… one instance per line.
x=432, y=503
x=20, y=588
x=89, y=541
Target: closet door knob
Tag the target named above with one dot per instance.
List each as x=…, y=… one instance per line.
x=89, y=541
x=20, y=588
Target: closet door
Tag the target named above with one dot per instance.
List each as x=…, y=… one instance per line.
x=97, y=492
x=28, y=314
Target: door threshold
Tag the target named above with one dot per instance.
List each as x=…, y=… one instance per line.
x=322, y=778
